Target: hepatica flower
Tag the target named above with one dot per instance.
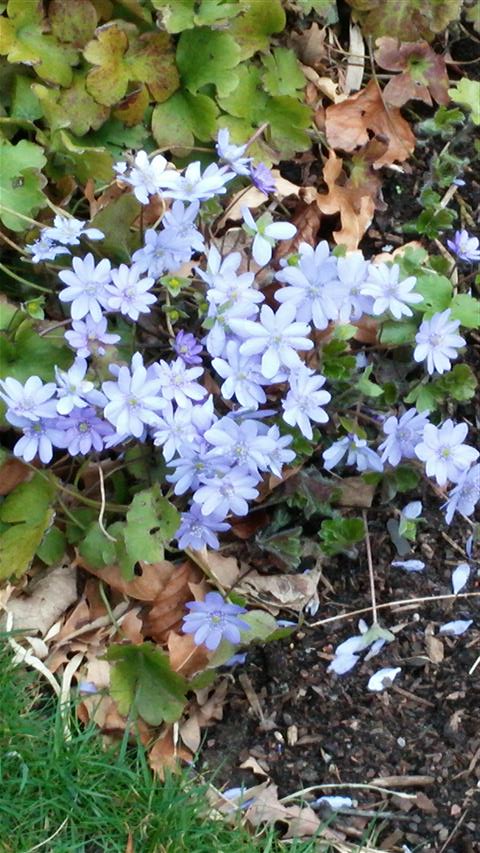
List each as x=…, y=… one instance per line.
x=45, y=250
x=313, y=286
x=437, y=342
x=67, y=230
x=197, y=531
x=86, y=287
x=195, y=185
x=403, y=435
x=88, y=337
x=357, y=454
x=389, y=293
x=187, y=348
x=232, y=154
x=464, y=497
x=226, y=493
x=178, y=381
x=31, y=401
x=213, y=620
x=304, y=401
x=134, y=399
x=242, y=377
x=445, y=455
x=128, y=292
x=276, y=337
x=84, y=431
x=263, y=179
x=465, y=247
x=145, y=176
x=265, y=233
x=39, y=438
x=74, y=390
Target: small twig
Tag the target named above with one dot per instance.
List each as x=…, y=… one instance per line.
x=371, y=573
x=50, y=837
x=454, y=831
x=58, y=325
x=403, y=601
x=102, y=507
x=362, y=786
x=413, y=696
x=473, y=668
x=404, y=781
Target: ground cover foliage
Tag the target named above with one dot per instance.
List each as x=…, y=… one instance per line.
x=235, y=400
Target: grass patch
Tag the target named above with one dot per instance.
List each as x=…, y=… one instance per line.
x=75, y=797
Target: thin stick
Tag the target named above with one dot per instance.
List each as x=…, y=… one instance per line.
x=350, y=614
x=24, y=280
x=363, y=786
x=371, y=573
x=102, y=508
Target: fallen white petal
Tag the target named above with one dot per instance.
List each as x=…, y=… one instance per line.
x=375, y=648
x=460, y=577
x=335, y=803
x=383, y=678
x=409, y=565
x=459, y=626
x=348, y=647
x=343, y=663
x=412, y=510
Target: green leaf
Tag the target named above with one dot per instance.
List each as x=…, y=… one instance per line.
x=72, y=107
x=436, y=291
x=460, y=384
x=252, y=29
x=96, y=549
x=26, y=514
x=340, y=534
x=398, y=333
x=262, y=626
x=21, y=182
x=31, y=354
x=52, y=546
x=208, y=56
x=285, y=544
x=282, y=75
x=184, y=118
x=366, y=386
x=467, y=93
x=142, y=679
x=326, y=10
x=466, y=309
x=115, y=220
x=150, y=524
x=179, y=15
x=25, y=103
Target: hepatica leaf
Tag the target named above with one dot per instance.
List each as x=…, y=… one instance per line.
x=26, y=514
x=120, y=58
x=21, y=182
x=142, y=678
x=207, y=56
x=151, y=522
x=179, y=15
x=282, y=75
x=252, y=30
x=184, y=118
x=72, y=21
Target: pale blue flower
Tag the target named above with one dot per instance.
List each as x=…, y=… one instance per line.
x=456, y=628
x=465, y=247
x=178, y=222
x=178, y=381
x=227, y=492
x=161, y=253
x=276, y=336
x=265, y=234
x=357, y=454
x=305, y=400
x=88, y=337
x=84, y=432
x=86, y=287
x=262, y=178
x=39, y=438
x=242, y=377
x=442, y=450
x=193, y=463
x=195, y=185
x=173, y=429
x=313, y=286
x=352, y=273
x=409, y=565
x=389, y=293
x=241, y=443
x=281, y=454
x=44, y=250
x=196, y=531
x=464, y=497
x=128, y=292
x=32, y=401
x=383, y=678
x=403, y=435
x=187, y=348
x=134, y=399
x=232, y=155
x=73, y=390
x=67, y=230
x=213, y=620
x=437, y=342
x=146, y=177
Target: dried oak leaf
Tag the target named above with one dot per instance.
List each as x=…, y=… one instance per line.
x=302, y=822
x=168, y=607
x=145, y=587
x=166, y=755
x=423, y=72
x=186, y=658
x=280, y=592
x=350, y=124
x=354, y=197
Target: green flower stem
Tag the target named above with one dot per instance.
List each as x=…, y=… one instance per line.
x=19, y=278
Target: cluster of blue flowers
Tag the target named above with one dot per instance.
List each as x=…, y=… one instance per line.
x=219, y=454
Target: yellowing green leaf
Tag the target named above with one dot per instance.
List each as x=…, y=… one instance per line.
x=252, y=29
x=407, y=20
x=72, y=21
x=179, y=15
x=467, y=93
x=283, y=75
x=142, y=679
x=21, y=182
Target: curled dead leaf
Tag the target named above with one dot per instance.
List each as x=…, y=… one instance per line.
x=12, y=473
x=165, y=754
x=423, y=72
x=301, y=821
x=147, y=586
x=280, y=592
x=168, y=607
x=349, y=126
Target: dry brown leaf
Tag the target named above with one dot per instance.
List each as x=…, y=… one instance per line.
x=325, y=85
x=302, y=822
x=166, y=755
x=279, y=592
x=351, y=491
x=349, y=126
x=12, y=473
x=307, y=220
x=191, y=734
x=252, y=764
x=168, y=608
x=225, y=571
x=185, y=656
x=253, y=198
x=45, y=599
x=211, y=703
x=356, y=60
x=131, y=626
x=145, y=587
x=309, y=45
x=355, y=198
